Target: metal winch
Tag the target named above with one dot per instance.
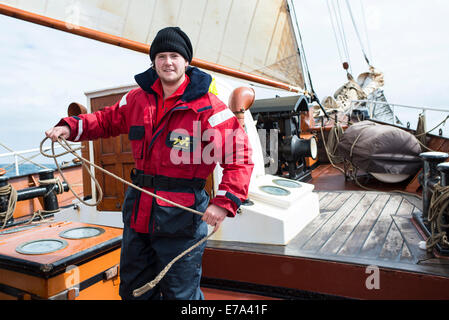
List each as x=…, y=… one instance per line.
x=283, y=117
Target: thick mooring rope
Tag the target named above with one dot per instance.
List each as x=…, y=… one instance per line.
x=63, y=142
x=438, y=205
x=6, y=215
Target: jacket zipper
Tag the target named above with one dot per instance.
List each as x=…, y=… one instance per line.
x=163, y=123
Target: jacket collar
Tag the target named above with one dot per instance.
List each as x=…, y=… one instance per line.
x=198, y=86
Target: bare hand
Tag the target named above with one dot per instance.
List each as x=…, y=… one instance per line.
x=214, y=216
x=56, y=132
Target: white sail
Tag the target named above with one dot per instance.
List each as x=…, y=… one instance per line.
x=254, y=36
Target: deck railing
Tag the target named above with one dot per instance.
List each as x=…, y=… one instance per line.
x=21, y=154
x=407, y=116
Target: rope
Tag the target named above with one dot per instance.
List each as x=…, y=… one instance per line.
x=150, y=285
x=331, y=155
x=63, y=142
x=6, y=215
x=350, y=170
x=365, y=28
x=69, y=149
x=335, y=33
x=439, y=124
x=302, y=53
x=438, y=204
x=343, y=34
x=55, y=182
x=39, y=213
x=357, y=32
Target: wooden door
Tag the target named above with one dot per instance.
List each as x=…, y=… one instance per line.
x=114, y=155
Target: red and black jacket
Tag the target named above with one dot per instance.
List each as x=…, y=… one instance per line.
x=186, y=144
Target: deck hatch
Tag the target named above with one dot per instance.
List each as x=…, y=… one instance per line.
x=41, y=246
x=277, y=191
x=81, y=233
x=287, y=183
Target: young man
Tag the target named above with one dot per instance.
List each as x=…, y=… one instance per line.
x=178, y=131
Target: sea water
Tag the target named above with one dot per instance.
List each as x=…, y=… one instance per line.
x=24, y=169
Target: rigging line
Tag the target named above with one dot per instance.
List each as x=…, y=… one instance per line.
x=302, y=54
x=366, y=29
x=334, y=31
x=302, y=49
x=314, y=96
x=357, y=32
x=343, y=33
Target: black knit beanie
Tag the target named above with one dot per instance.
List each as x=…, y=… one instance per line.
x=171, y=39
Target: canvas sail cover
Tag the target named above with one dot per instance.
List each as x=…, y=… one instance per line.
x=379, y=148
x=251, y=36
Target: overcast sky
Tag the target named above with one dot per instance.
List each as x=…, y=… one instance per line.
x=408, y=41
x=44, y=70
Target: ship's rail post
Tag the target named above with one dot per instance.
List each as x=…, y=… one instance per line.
x=444, y=173
x=430, y=177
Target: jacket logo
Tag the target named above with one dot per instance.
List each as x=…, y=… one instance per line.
x=183, y=143
x=180, y=141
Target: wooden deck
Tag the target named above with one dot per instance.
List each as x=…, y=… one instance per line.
x=364, y=227
x=354, y=228
x=369, y=228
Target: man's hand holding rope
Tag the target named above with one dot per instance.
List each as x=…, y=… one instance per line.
x=56, y=132
x=214, y=216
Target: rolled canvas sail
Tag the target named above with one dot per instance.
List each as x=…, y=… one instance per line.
x=251, y=36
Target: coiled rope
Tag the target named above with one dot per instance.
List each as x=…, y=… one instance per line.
x=331, y=145
x=6, y=215
x=63, y=142
x=437, y=208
